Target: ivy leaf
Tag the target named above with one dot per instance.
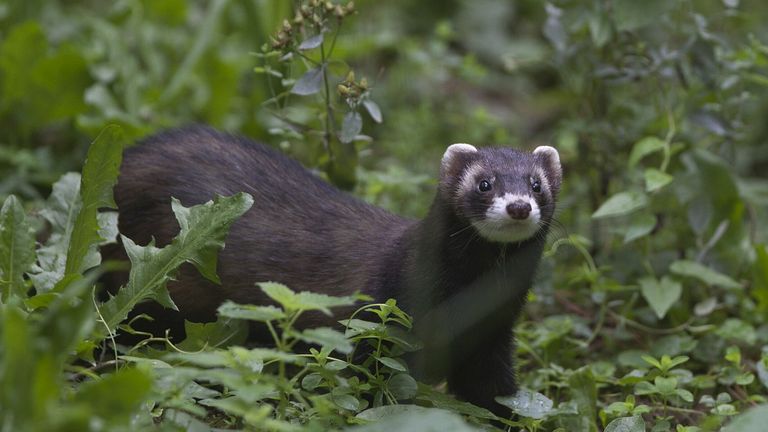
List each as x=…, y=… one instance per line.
x=309, y=83
x=660, y=295
x=621, y=204
x=311, y=43
x=17, y=248
x=203, y=229
x=626, y=424
x=698, y=271
x=351, y=126
x=102, y=166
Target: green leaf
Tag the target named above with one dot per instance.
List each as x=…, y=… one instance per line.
x=311, y=43
x=305, y=300
x=61, y=210
x=392, y=364
x=350, y=127
x=250, y=312
x=655, y=179
x=660, y=295
x=203, y=229
x=528, y=404
x=583, y=391
x=402, y=386
x=753, y=420
x=414, y=419
x=640, y=225
x=626, y=424
x=345, y=401
x=309, y=83
x=643, y=148
x=694, y=270
x=328, y=338
x=115, y=398
x=621, y=204
x=17, y=249
x=373, y=110
x=739, y=330
x=445, y=401
x=102, y=166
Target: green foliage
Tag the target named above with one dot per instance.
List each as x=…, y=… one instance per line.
x=650, y=311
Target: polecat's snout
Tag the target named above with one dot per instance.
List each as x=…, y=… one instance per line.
x=519, y=209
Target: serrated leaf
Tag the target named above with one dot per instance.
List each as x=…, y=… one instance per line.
x=305, y=300
x=309, y=83
x=693, y=269
x=311, y=43
x=102, y=166
x=17, y=248
x=327, y=338
x=351, y=126
x=655, y=179
x=643, y=148
x=626, y=424
x=621, y=204
x=61, y=210
x=660, y=295
x=373, y=110
x=528, y=404
x=250, y=312
x=203, y=229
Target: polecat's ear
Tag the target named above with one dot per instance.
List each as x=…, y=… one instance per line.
x=550, y=159
x=454, y=157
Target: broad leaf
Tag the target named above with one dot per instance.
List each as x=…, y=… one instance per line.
x=309, y=83
x=203, y=229
x=694, y=270
x=620, y=204
x=17, y=248
x=373, y=110
x=660, y=295
x=626, y=424
x=311, y=43
x=753, y=420
x=643, y=148
x=423, y=420
x=250, y=312
x=326, y=337
x=305, y=300
x=102, y=166
x=351, y=126
x=528, y=404
x=655, y=179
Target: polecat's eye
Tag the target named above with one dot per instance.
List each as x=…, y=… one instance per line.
x=484, y=186
x=535, y=185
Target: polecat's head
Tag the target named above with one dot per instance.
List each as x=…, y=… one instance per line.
x=505, y=194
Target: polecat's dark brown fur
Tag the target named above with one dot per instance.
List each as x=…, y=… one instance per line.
x=463, y=271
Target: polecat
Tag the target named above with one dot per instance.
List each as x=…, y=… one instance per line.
x=463, y=271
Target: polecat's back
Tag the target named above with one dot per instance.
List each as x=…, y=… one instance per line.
x=300, y=231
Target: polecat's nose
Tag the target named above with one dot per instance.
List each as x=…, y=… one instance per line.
x=519, y=209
